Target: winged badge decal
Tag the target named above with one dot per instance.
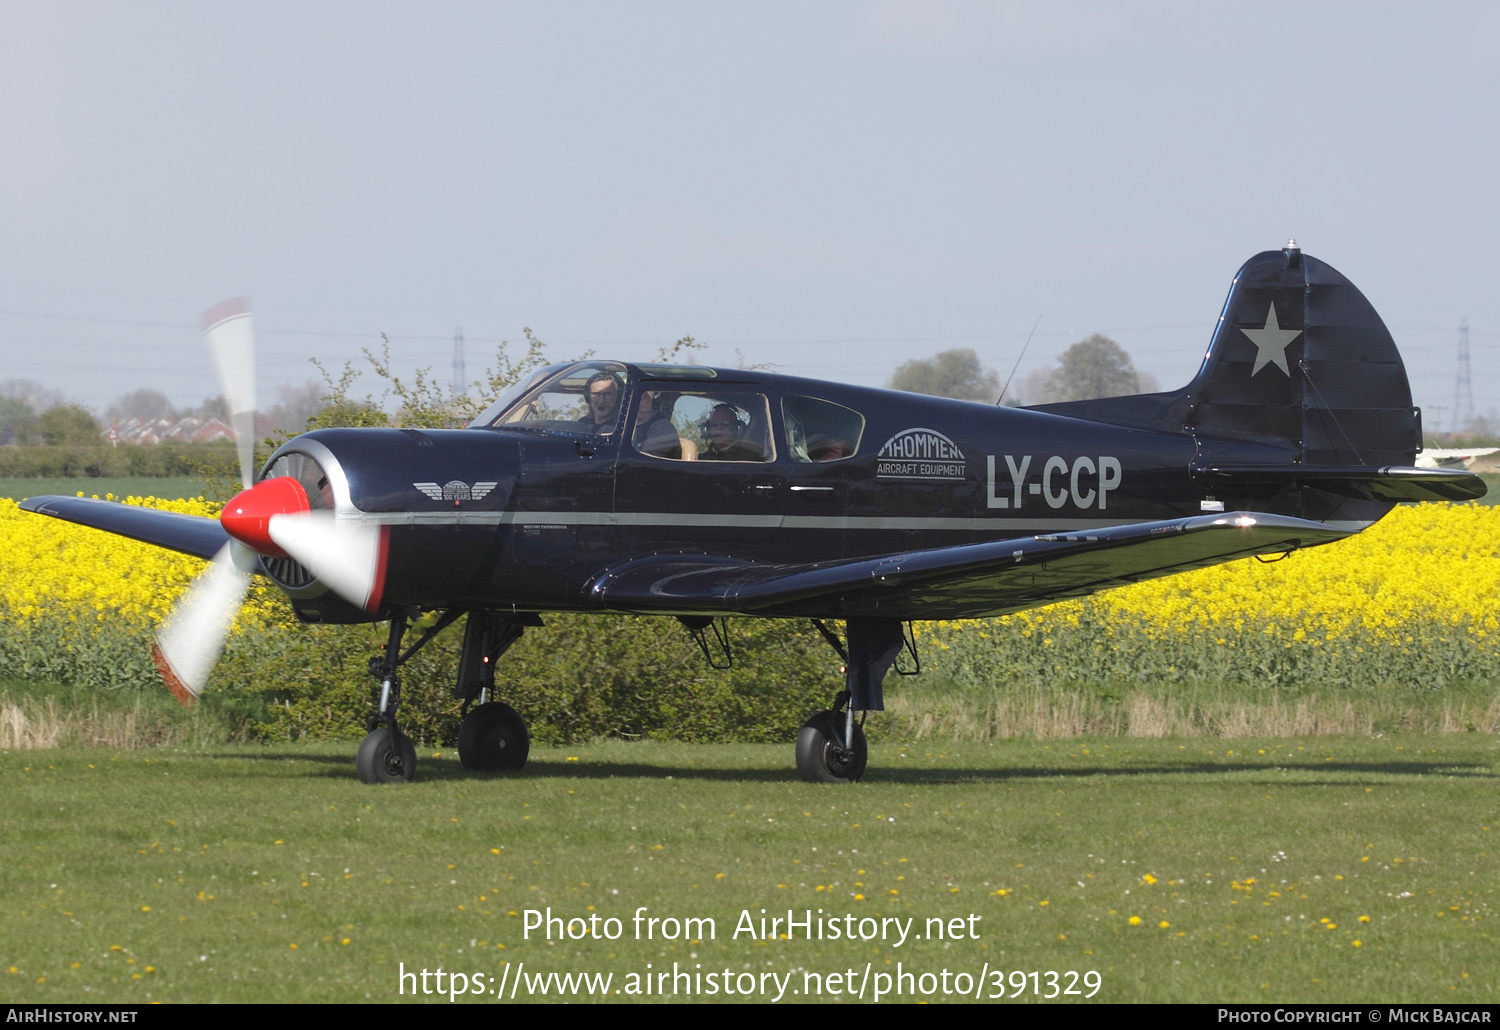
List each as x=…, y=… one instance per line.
x=457, y=490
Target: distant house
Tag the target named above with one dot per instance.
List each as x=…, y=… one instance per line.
x=212, y=431
x=188, y=430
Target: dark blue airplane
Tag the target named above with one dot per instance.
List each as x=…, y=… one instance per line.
x=701, y=493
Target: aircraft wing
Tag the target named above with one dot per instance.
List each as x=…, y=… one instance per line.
x=965, y=581
x=1391, y=483
x=190, y=534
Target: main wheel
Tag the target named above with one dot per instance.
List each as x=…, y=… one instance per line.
x=493, y=737
x=820, y=759
x=377, y=761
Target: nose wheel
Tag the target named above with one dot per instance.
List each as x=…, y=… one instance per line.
x=493, y=737
x=386, y=755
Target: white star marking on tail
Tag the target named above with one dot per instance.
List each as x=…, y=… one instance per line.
x=1271, y=342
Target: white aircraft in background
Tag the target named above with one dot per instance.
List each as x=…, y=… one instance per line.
x=1451, y=457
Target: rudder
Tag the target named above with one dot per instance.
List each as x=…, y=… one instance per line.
x=1301, y=356
x=1299, y=361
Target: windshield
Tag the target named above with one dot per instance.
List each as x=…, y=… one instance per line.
x=583, y=398
x=491, y=415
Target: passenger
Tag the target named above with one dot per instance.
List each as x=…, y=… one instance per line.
x=722, y=430
x=604, y=390
x=654, y=434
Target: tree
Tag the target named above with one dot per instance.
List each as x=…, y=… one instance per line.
x=30, y=393
x=147, y=405
x=296, y=406
x=67, y=425
x=423, y=403
x=1095, y=367
x=952, y=373
x=17, y=421
x=213, y=407
x=340, y=409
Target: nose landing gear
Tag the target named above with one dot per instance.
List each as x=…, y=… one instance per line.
x=387, y=755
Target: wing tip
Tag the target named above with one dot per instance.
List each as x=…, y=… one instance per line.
x=38, y=504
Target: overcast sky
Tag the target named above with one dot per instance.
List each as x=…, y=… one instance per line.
x=831, y=188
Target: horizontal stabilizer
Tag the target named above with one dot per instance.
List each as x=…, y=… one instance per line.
x=1389, y=483
x=961, y=582
x=190, y=534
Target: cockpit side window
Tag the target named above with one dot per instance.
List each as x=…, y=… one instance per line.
x=819, y=430
x=585, y=398
x=703, y=425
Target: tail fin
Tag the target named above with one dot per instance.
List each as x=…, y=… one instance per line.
x=1299, y=361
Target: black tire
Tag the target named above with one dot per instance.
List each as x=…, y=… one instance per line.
x=493, y=738
x=377, y=762
x=821, y=760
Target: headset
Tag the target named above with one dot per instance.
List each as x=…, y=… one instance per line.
x=741, y=421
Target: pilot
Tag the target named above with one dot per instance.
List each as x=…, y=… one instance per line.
x=604, y=390
x=653, y=433
x=722, y=430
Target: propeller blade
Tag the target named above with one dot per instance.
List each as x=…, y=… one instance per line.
x=349, y=557
x=229, y=332
x=189, y=641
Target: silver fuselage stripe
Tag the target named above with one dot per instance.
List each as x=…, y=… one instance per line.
x=669, y=518
x=663, y=519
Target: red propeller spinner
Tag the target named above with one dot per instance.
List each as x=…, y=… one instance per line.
x=247, y=517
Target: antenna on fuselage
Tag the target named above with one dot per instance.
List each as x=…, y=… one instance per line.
x=1001, y=399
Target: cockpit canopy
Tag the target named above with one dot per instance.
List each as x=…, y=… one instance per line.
x=678, y=412
x=577, y=397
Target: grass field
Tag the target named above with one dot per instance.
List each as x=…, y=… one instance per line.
x=1293, y=869
x=168, y=487
x=1184, y=839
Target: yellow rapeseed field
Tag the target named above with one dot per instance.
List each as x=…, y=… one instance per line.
x=1425, y=572
x=50, y=569
x=78, y=605
x=1412, y=598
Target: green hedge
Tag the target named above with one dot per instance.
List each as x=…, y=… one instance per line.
x=577, y=678
x=585, y=677
x=163, y=459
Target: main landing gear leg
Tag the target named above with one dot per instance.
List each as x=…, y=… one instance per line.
x=831, y=745
x=387, y=755
x=492, y=735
